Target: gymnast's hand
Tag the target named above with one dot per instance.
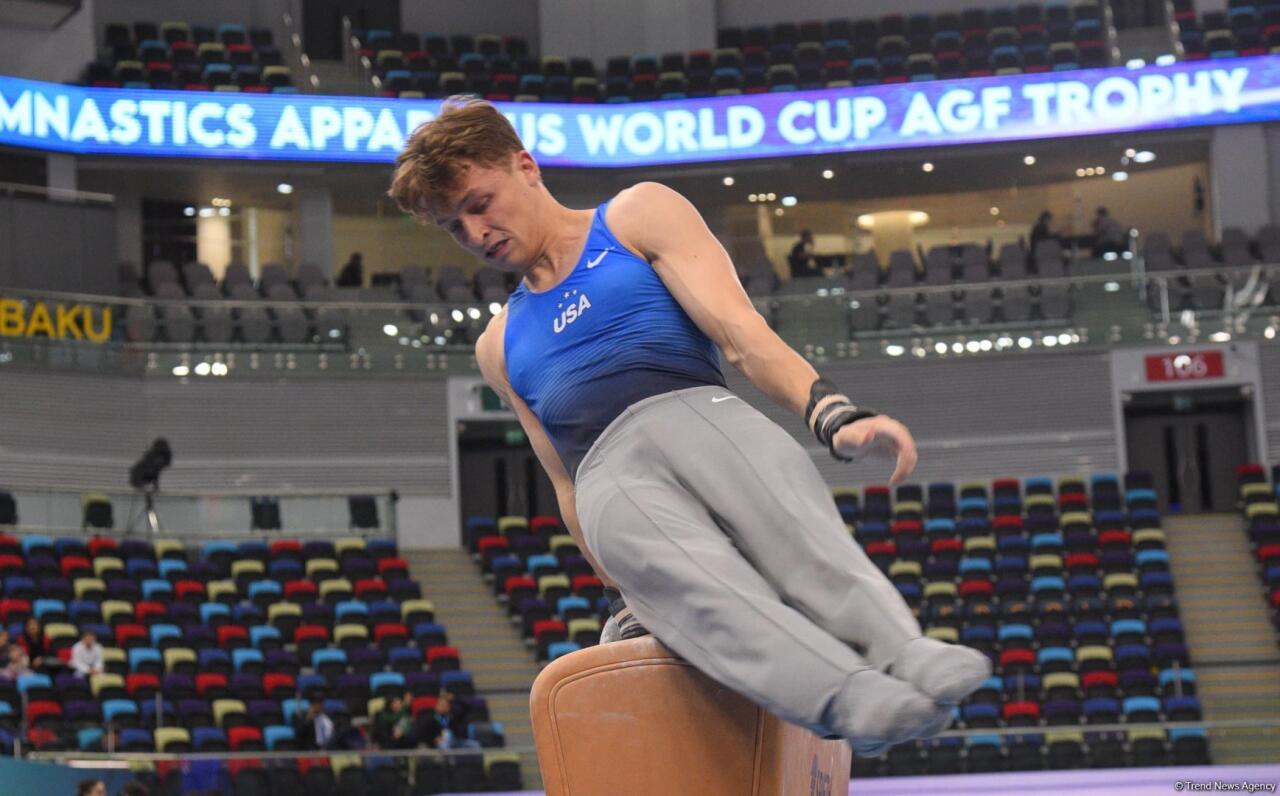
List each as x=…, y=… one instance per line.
x=879, y=436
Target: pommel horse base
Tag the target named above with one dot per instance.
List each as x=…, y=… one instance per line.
x=631, y=718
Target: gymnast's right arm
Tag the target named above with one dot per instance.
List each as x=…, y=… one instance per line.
x=489, y=356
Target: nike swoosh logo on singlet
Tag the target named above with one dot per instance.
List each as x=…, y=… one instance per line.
x=722, y=398
x=596, y=261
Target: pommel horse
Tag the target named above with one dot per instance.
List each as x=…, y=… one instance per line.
x=631, y=718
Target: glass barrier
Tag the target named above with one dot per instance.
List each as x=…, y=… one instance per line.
x=1098, y=304
x=226, y=515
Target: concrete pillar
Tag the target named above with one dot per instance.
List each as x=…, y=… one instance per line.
x=129, y=226
x=1273, y=169
x=60, y=175
x=1239, y=183
x=314, y=228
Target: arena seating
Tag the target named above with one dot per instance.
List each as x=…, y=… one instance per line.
x=175, y=55
x=216, y=649
x=1065, y=586
x=1241, y=29
x=1205, y=292
x=786, y=56
x=1259, y=501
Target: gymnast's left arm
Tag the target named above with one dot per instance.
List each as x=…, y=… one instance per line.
x=667, y=230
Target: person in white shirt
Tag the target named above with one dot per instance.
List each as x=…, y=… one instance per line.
x=86, y=655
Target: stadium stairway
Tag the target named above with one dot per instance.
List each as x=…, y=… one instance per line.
x=1231, y=637
x=488, y=643
x=336, y=78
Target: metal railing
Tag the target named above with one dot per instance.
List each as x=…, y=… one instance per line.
x=298, y=57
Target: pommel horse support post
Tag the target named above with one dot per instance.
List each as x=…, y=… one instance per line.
x=631, y=718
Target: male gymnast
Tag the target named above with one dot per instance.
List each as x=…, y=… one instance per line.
x=709, y=524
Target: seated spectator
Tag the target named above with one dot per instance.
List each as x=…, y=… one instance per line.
x=1109, y=235
x=352, y=273
x=17, y=663
x=33, y=643
x=86, y=655
x=314, y=728
x=5, y=643
x=801, y=258
x=393, y=726
x=440, y=728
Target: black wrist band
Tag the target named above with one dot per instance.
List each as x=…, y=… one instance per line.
x=834, y=416
x=820, y=389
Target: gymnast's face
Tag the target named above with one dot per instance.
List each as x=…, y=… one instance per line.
x=492, y=212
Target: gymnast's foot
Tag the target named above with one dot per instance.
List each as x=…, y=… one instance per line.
x=879, y=711
x=622, y=623
x=946, y=673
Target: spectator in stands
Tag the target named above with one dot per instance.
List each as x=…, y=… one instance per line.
x=135, y=788
x=1108, y=234
x=92, y=787
x=34, y=644
x=393, y=726
x=313, y=728
x=352, y=274
x=440, y=728
x=16, y=664
x=86, y=655
x=801, y=258
x=5, y=643
x=1042, y=230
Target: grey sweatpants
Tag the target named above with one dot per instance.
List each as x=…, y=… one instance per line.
x=726, y=543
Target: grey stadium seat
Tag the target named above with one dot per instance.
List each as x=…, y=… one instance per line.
x=453, y=285
x=902, y=269
x=309, y=274
x=326, y=319
x=491, y=285
x=274, y=274
x=1269, y=244
x=1013, y=262
x=1049, y=259
x=161, y=272
x=937, y=266
x=975, y=265
x=236, y=274
x=291, y=323
x=864, y=272
x=177, y=322
x=195, y=275
x=255, y=326
x=216, y=324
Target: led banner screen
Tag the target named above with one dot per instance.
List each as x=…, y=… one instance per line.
x=99, y=121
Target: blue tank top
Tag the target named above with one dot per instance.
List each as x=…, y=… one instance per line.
x=608, y=335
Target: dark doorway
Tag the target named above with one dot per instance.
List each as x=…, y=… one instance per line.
x=1191, y=442
x=322, y=23
x=499, y=473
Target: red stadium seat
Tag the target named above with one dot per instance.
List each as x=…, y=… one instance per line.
x=145, y=611
x=101, y=545
x=1006, y=523
x=142, y=686
x=12, y=564
x=232, y=637
x=1017, y=658
x=422, y=703
x=1115, y=538
x=238, y=737
x=132, y=635
x=192, y=591
x=952, y=547
x=300, y=591
x=207, y=682
x=286, y=548
x=13, y=609
x=370, y=590
x=75, y=566
x=392, y=565
x=278, y=686
x=906, y=528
